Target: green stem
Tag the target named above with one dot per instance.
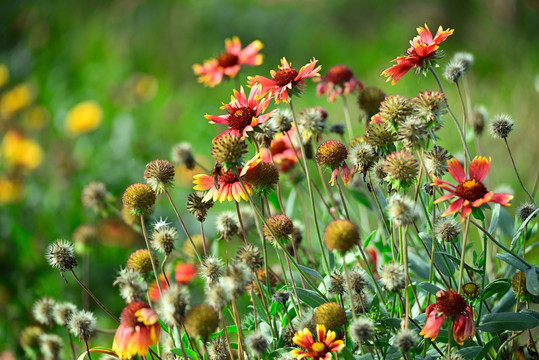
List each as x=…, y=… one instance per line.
x=463, y=255
x=152, y=260
x=516, y=172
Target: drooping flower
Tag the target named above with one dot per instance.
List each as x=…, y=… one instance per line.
x=226, y=185
x=339, y=80
x=287, y=81
x=229, y=63
x=139, y=329
x=317, y=350
x=243, y=113
x=453, y=305
x=423, y=49
x=469, y=191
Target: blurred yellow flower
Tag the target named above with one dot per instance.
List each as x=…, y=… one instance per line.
x=84, y=117
x=16, y=99
x=36, y=118
x=20, y=152
x=4, y=75
x=10, y=190
x=145, y=87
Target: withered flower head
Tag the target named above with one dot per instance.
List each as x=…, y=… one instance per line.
x=392, y=278
x=140, y=260
x=93, y=195
x=401, y=210
x=227, y=225
x=43, y=311
x=331, y=315
x=139, y=198
x=331, y=153
x=395, y=109
x=60, y=255
x=163, y=238
x=501, y=125
x=83, y=324
x=197, y=207
x=63, y=313
x=132, y=285
x=228, y=150
x=341, y=235
x=446, y=229
x=212, y=268
x=250, y=256
x=401, y=168
x=436, y=160
x=201, y=321
x=173, y=304
x=281, y=226
x=370, y=99
x=182, y=154
x=159, y=174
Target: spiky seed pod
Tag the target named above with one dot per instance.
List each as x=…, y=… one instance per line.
x=446, y=229
x=281, y=226
x=430, y=105
x=50, y=346
x=525, y=210
x=250, y=256
x=182, y=154
x=288, y=334
x=406, y=340
x=173, y=304
x=43, y=311
x=140, y=261
x=29, y=336
x=465, y=58
x=264, y=133
x=379, y=173
x=501, y=125
x=341, y=235
x=197, y=207
x=395, y=109
x=412, y=132
x=380, y=137
x=159, y=174
x=227, y=225
x=331, y=153
x=163, y=238
x=454, y=70
x=311, y=123
x=218, y=349
x=281, y=296
x=337, y=128
x=392, y=278
x=132, y=285
x=470, y=290
x=218, y=295
x=331, y=315
x=60, y=255
x=362, y=157
x=358, y=281
x=228, y=150
x=237, y=276
x=401, y=168
x=201, y=321
x=478, y=119
x=519, y=283
x=361, y=329
x=281, y=120
x=139, y=198
x=401, y=210
x=257, y=343
x=93, y=195
x=436, y=161
x=360, y=302
x=85, y=235
x=370, y=99
x=212, y=268
x=336, y=283
x=83, y=324
x=263, y=178
x=63, y=313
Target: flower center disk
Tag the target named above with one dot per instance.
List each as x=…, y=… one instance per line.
x=228, y=178
x=471, y=190
x=339, y=74
x=318, y=349
x=285, y=76
x=241, y=118
x=227, y=60
x=451, y=304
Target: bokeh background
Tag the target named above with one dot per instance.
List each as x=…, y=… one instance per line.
x=134, y=59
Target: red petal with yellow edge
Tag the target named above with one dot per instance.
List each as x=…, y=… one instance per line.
x=479, y=168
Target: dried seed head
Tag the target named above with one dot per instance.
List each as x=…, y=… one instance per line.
x=281, y=296
x=430, y=106
x=263, y=178
x=85, y=235
x=341, y=235
x=454, y=71
x=163, y=238
x=227, y=225
x=395, y=109
x=450, y=303
x=370, y=99
x=218, y=349
x=197, y=207
x=331, y=153
x=446, y=229
x=228, y=150
x=212, y=268
x=236, y=277
x=336, y=283
x=380, y=137
x=465, y=58
x=470, y=290
x=478, y=119
x=250, y=256
x=159, y=174
x=182, y=154
x=29, y=336
x=412, y=132
x=257, y=343
x=525, y=210
x=282, y=120
x=361, y=329
x=43, y=311
x=63, y=313
x=436, y=161
x=358, y=281
x=83, y=324
x=401, y=168
x=201, y=321
x=311, y=123
x=218, y=295
x=140, y=261
x=265, y=133
x=401, y=210
x=519, y=283
x=50, y=346
x=281, y=226
x=60, y=255
x=392, y=278
x=173, y=304
x=501, y=125
x=362, y=157
x=139, y=198
x=406, y=340
x=379, y=173
x=331, y=315
x=132, y=285
x=93, y=195
x=428, y=188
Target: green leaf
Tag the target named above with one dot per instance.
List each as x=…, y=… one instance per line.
x=361, y=198
x=486, y=348
x=347, y=354
x=365, y=357
x=495, y=218
x=391, y=322
x=431, y=288
x=190, y=353
x=532, y=282
x=531, y=312
x=478, y=213
x=512, y=260
x=311, y=272
x=470, y=352
x=276, y=354
x=369, y=238
x=496, y=287
x=507, y=321
x=310, y=297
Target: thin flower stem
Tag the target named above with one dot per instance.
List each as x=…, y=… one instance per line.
x=71, y=345
x=382, y=299
x=225, y=330
x=241, y=223
x=349, y=284
x=343, y=200
x=516, y=172
x=264, y=302
x=347, y=117
x=293, y=283
x=95, y=298
x=163, y=269
x=203, y=239
x=285, y=277
x=238, y=327
x=402, y=234
x=373, y=190
x=535, y=184
x=87, y=349
x=463, y=255
x=86, y=279
x=279, y=197
x=507, y=342
x=449, y=336
x=464, y=111
x=150, y=253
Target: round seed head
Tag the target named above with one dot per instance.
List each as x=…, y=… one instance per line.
x=501, y=125
x=412, y=132
x=331, y=315
x=163, y=238
x=380, y=137
x=331, y=153
x=93, y=195
x=257, y=343
x=392, y=278
x=395, y=109
x=361, y=329
x=519, y=283
x=358, y=281
x=263, y=178
x=428, y=188
x=525, y=210
x=379, y=173
x=139, y=198
x=478, y=119
x=430, y=106
x=43, y=311
x=218, y=295
x=140, y=261
x=227, y=225
x=336, y=283
x=281, y=120
x=159, y=174
x=228, y=150
x=197, y=207
x=250, y=256
x=132, y=285
x=436, y=161
x=50, y=346
x=446, y=229
x=236, y=277
x=401, y=168
x=281, y=226
x=454, y=71
x=218, y=349
x=212, y=268
x=201, y=321
x=182, y=154
x=470, y=290
x=281, y=296
x=362, y=157
x=311, y=123
x=63, y=313
x=265, y=133
x=60, y=255
x=465, y=58
x=173, y=304
x=341, y=235
x=406, y=340
x=401, y=210
x=29, y=336
x=370, y=99
x=83, y=324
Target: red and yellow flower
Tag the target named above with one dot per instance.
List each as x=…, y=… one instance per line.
x=243, y=114
x=226, y=185
x=139, y=329
x=469, y=191
x=453, y=305
x=229, y=63
x=287, y=81
x=423, y=49
x=281, y=149
x=339, y=80
x=317, y=350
